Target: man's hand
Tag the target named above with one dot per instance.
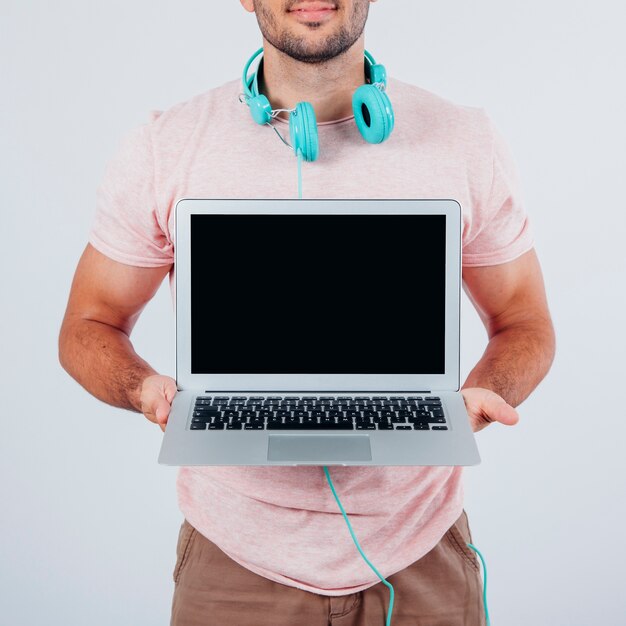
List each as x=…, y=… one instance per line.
x=485, y=406
x=157, y=393
x=105, y=302
x=511, y=301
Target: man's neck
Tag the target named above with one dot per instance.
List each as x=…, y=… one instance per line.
x=328, y=86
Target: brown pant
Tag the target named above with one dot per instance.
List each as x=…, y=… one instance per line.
x=443, y=588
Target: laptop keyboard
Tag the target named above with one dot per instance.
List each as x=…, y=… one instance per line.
x=318, y=413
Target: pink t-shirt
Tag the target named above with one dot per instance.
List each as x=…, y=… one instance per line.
x=283, y=522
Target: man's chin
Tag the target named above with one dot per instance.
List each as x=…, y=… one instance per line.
x=310, y=56
x=312, y=45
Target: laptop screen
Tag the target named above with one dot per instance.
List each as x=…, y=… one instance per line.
x=317, y=294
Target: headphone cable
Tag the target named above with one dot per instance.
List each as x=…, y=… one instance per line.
x=391, y=592
x=388, y=584
x=299, y=155
x=343, y=512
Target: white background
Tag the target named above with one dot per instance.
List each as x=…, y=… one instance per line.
x=89, y=520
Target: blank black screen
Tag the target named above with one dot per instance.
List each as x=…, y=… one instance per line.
x=317, y=294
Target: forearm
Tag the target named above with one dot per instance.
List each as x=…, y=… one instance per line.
x=101, y=358
x=515, y=361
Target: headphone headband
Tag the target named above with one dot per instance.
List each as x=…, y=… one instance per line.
x=246, y=86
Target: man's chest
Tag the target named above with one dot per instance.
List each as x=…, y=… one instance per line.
x=260, y=166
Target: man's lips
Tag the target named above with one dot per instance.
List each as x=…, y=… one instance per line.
x=312, y=11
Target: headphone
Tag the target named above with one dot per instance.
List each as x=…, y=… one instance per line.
x=371, y=106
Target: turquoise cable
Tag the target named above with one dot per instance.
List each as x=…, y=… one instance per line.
x=482, y=560
x=330, y=482
x=391, y=592
x=299, y=155
x=343, y=512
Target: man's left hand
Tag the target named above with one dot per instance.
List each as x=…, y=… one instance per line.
x=485, y=406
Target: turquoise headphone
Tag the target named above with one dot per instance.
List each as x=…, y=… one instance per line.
x=371, y=106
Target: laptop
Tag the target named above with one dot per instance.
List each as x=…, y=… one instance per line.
x=318, y=332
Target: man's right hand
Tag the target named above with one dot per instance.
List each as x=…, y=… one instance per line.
x=105, y=302
x=157, y=393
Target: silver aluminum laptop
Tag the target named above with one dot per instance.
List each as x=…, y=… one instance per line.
x=318, y=332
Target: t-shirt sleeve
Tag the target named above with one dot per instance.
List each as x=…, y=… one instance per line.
x=502, y=230
x=128, y=226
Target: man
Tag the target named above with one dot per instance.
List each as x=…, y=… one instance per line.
x=267, y=545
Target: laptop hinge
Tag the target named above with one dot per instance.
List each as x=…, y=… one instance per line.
x=370, y=392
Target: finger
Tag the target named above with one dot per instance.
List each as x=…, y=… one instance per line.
x=154, y=406
x=161, y=410
x=152, y=417
x=498, y=410
x=170, y=390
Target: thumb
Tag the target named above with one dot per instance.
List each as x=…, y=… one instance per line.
x=161, y=409
x=170, y=390
x=500, y=410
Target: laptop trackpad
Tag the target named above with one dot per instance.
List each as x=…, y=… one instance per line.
x=320, y=448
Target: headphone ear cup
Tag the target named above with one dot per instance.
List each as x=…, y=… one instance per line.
x=303, y=131
x=373, y=113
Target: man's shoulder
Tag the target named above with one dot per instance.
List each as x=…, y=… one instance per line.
x=183, y=116
x=417, y=106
